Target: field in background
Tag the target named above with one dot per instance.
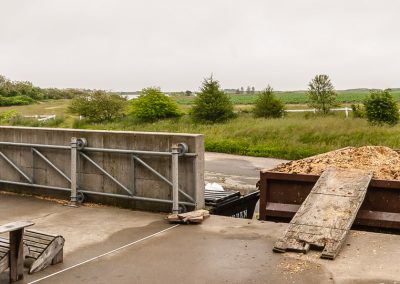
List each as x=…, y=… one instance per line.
x=297, y=97
x=292, y=137
x=298, y=135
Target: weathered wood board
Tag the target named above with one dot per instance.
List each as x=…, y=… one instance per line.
x=326, y=216
x=196, y=216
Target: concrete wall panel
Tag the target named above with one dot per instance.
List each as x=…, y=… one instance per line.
x=131, y=174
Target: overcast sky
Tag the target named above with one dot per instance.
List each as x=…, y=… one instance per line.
x=173, y=44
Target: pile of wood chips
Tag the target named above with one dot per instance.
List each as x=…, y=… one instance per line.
x=383, y=161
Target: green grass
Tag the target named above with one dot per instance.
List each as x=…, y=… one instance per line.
x=296, y=136
x=296, y=97
x=292, y=137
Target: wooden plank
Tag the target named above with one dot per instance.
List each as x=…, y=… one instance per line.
x=40, y=235
x=16, y=255
x=325, y=217
x=15, y=226
x=50, y=255
x=4, y=263
x=36, y=240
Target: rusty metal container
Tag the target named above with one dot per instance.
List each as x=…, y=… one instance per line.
x=281, y=194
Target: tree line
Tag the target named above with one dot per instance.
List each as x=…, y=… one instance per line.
x=25, y=93
x=213, y=105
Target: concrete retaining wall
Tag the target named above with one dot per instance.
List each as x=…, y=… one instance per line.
x=129, y=173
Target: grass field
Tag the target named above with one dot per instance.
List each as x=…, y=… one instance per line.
x=296, y=136
x=297, y=97
x=292, y=137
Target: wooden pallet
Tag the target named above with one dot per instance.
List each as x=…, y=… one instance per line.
x=326, y=216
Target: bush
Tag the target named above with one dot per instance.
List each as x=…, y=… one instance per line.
x=98, y=106
x=153, y=105
x=8, y=116
x=267, y=105
x=16, y=100
x=358, y=111
x=321, y=93
x=380, y=108
x=212, y=104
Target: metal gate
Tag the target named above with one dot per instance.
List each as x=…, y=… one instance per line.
x=79, y=151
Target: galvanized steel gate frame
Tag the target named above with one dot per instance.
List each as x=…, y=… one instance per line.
x=79, y=150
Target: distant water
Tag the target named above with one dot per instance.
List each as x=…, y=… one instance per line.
x=130, y=97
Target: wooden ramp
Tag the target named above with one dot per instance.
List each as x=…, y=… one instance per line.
x=325, y=217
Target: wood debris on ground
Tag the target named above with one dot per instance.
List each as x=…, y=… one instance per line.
x=196, y=216
x=382, y=161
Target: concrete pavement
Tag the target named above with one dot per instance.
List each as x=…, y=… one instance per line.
x=221, y=250
x=236, y=172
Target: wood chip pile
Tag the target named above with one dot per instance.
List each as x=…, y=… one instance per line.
x=383, y=161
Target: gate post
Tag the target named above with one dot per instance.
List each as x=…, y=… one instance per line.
x=175, y=179
x=74, y=159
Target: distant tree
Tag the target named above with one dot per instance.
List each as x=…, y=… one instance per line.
x=253, y=90
x=98, y=106
x=380, y=108
x=212, y=104
x=268, y=105
x=241, y=90
x=248, y=90
x=3, y=79
x=153, y=105
x=321, y=93
x=237, y=91
x=188, y=93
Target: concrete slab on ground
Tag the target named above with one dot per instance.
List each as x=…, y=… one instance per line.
x=221, y=250
x=236, y=172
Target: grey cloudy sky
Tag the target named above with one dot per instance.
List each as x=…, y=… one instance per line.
x=128, y=45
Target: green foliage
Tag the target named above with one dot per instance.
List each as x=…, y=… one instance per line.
x=321, y=93
x=16, y=100
x=293, y=97
x=98, y=106
x=291, y=137
x=8, y=116
x=22, y=90
x=211, y=104
x=58, y=94
x=268, y=106
x=153, y=105
x=381, y=108
x=358, y=111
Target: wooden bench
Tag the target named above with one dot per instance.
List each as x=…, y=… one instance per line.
x=4, y=253
x=13, y=253
x=44, y=249
x=41, y=249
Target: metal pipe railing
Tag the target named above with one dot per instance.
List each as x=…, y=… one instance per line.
x=51, y=164
x=11, y=163
x=143, y=163
x=106, y=173
x=77, y=147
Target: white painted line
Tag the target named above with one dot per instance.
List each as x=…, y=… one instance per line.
x=104, y=254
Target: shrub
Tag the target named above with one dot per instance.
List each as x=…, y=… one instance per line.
x=380, y=108
x=268, y=105
x=98, y=106
x=8, y=116
x=212, y=104
x=153, y=105
x=321, y=93
x=358, y=111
